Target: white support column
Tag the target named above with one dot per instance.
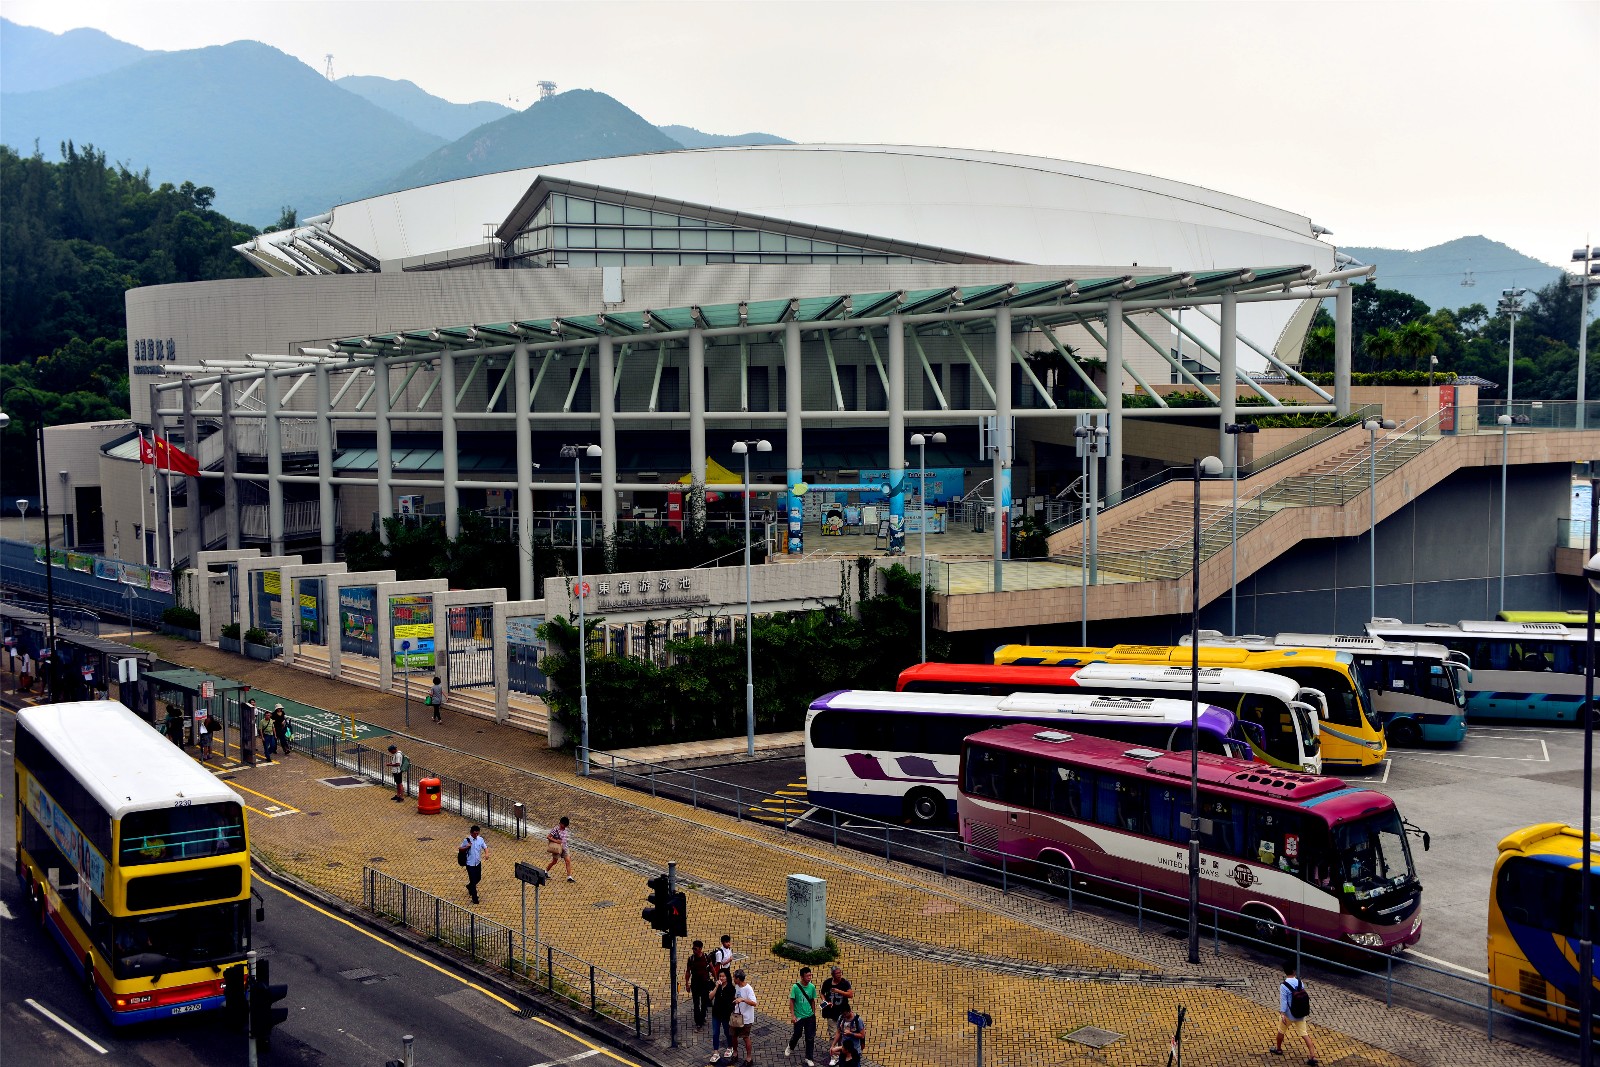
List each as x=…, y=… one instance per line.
x=273, y=432
x=380, y=384
x=448, y=439
x=1343, y=309
x=1002, y=440
x=1228, y=378
x=897, y=435
x=1113, y=449
x=525, y=579
x=794, y=405
x=195, y=517
x=327, y=495
x=605, y=371
x=230, y=466
x=697, y=431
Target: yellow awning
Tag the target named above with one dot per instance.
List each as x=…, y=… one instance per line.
x=716, y=474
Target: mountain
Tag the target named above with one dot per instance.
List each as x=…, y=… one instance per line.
x=260, y=127
x=1437, y=276
x=690, y=137
x=580, y=124
x=422, y=109
x=32, y=59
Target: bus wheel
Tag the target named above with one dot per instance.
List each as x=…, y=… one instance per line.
x=88, y=977
x=926, y=808
x=1403, y=732
x=1265, y=925
x=1057, y=870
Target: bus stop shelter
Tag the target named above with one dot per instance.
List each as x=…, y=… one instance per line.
x=187, y=694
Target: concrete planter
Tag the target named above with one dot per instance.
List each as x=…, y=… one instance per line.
x=230, y=644
x=261, y=652
x=178, y=631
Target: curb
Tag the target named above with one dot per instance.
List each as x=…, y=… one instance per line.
x=530, y=1003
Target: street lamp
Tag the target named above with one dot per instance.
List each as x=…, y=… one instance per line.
x=742, y=448
x=1586, y=880
x=1090, y=435
x=921, y=441
x=576, y=454
x=1234, y=429
x=1510, y=304
x=1373, y=426
x=1505, y=423
x=1209, y=466
x=1587, y=277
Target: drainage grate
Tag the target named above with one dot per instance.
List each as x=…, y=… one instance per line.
x=343, y=782
x=1093, y=1036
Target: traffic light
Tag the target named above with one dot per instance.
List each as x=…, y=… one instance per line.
x=658, y=915
x=263, y=1016
x=679, y=914
x=235, y=992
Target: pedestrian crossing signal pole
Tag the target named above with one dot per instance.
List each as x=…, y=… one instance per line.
x=982, y=1020
x=668, y=913
x=1175, y=1050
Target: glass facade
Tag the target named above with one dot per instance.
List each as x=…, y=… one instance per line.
x=569, y=231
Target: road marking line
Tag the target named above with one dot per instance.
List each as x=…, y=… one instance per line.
x=1446, y=963
x=263, y=796
x=575, y=1057
x=68, y=1027
x=1388, y=765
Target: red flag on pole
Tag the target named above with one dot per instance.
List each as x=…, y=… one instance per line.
x=167, y=456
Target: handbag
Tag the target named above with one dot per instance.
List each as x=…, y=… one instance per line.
x=461, y=857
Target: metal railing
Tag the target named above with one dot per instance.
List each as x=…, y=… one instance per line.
x=486, y=943
x=1458, y=995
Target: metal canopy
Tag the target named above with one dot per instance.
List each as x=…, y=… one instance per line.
x=1046, y=303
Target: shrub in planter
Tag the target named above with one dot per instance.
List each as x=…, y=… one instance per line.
x=257, y=636
x=229, y=641
x=182, y=622
x=231, y=630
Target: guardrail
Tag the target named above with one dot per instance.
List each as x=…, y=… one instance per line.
x=1471, y=997
x=509, y=952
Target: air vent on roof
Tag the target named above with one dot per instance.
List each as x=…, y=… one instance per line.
x=1440, y=625
x=1054, y=737
x=1143, y=753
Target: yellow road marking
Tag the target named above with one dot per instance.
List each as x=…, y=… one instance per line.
x=297, y=898
x=282, y=804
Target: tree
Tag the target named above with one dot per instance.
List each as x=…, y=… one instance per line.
x=1417, y=339
x=1381, y=346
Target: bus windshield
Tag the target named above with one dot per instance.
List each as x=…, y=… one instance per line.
x=1373, y=857
x=180, y=940
x=162, y=835
x=1344, y=706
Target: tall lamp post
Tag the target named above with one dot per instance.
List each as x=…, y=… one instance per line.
x=921, y=441
x=1210, y=466
x=49, y=567
x=1587, y=277
x=1587, y=862
x=576, y=454
x=1510, y=304
x=1234, y=429
x=1505, y=422
x=742, y=448
x=1372, y=427
x=1090, y=436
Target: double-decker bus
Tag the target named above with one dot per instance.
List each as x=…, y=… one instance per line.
x=1286, y=714
x=1416, y=690
x=1535, y=924
x=1278, y=847
x=895, y=755
x=1350, y=733
x=133, y=856
x=1520, y=670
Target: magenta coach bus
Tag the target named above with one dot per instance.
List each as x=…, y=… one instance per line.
x=1283, y=848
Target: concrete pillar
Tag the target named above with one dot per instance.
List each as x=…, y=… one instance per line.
x=158, y=479
x=697, y=431
x=606, y=366
x=1002, y=440
x=449, y=444
x=1113, y=448
x=380, y=368
x=793, y=407
x=1228, y=377
x=272, y=430
x=1343, y=309
x=520, y=382
x=897, y=436
x=230, y=465
x=194, y=531
x=327, y=496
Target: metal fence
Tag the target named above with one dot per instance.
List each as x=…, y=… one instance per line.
x=509, y=952
x=1405, y=980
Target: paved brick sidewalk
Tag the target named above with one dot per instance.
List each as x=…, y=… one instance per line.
x=921, y=949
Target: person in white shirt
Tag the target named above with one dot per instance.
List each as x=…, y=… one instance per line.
x=395, y=764
x=744, y=1015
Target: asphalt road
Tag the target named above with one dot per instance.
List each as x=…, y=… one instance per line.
x=352, y=995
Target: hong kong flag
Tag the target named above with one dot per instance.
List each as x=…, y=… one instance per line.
x=160, y=453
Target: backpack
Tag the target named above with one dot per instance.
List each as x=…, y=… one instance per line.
x=1299, y=1000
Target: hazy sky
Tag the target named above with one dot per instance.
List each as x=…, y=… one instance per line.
x=1393, y=124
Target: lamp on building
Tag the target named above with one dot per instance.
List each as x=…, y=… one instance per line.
x=1233, y=429
x=576, y=454
x=1373, y=426
x=1210, y=466
x=1090, y=436
x=921, y=441
x=1510, y=304
x=742, y=448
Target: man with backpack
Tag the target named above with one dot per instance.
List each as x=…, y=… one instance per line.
x=1294, y=1005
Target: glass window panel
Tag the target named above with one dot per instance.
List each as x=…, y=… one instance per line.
x=580, y=259
x=579, y=237
x=636, y=238
x=719, y=257
x=770, y=242
x=661, y=218
x=558, y=209
x=746, y=241
x=719, y=241
x=663, y=238
x=797, y=244
x=637, y=259
x=608, y=259
x=748, y=257
x=608, y=213
x=693, y=238
x=635, y=216
x=664, y=259
x=608, y=238
x=690, y=259
x=580, y=210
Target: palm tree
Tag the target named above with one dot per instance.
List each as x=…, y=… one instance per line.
x=1417, y=339
x=1381, y=344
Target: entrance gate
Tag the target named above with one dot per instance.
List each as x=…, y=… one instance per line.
x=469, y=642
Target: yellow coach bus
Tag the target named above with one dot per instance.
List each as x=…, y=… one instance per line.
x=1350, y=734
x=134, y=857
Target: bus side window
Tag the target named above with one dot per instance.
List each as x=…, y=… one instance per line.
x=1166, y=807
x=1061, y=790
x=1121, y=805
x=1227, y=827
x=985, y=768
x=1016, y=785
x=1274, y=839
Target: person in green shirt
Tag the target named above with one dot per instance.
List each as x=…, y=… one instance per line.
x=803, y=1015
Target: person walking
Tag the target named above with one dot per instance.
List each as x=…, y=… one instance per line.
x=472, y=848
x=436, y=701
x=556, y=844
x=744, y=1015
x=1294, y=1005
x=852, y=1038
x=395, y=764
x=268, y=730
x=803, y=1015
x=283, y=728
x=722, y=957
x=721, y=1015
x=202, y=733
x=698, y=982
x=25, y=675
x=836, y=996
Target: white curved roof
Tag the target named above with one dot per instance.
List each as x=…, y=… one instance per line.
x=1023, y=208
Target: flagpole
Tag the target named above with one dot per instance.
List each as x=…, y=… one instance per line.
x=144, y=526
x=172, y=554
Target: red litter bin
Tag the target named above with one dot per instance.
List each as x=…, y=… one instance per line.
x=428, y=796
